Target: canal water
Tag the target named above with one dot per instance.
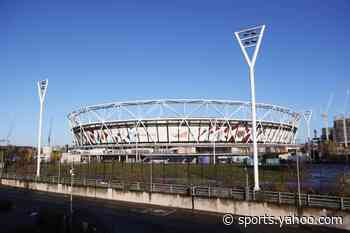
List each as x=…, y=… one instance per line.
x=325, y=177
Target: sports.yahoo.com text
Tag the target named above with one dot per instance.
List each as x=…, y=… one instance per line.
x=228, y=219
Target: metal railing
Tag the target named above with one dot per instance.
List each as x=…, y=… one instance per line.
x=306, y=200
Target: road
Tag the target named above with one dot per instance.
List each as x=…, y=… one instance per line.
x=114, y=216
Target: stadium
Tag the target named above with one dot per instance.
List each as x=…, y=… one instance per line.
x=180, y=126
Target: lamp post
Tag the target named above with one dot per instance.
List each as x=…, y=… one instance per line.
x=214, y=139
x=136, y=152
x=151, y=173
x=72, y=174
x=249, y=41
x=345, y=132
x=42, y=87
x=298, y=180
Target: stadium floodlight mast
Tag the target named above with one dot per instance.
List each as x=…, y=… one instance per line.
x=42, y=87
x=249, y=41
x=344, y=119
x=307, y=117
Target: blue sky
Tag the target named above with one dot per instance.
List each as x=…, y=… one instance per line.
x=101, y=51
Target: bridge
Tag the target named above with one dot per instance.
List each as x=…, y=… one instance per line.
x=196, y=197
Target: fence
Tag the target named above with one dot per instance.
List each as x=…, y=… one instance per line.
x=306, y=200
x=330, y=179
x=282, y=178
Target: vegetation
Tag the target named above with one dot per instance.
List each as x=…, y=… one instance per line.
x=281, y=178
x=277, y=178
x=333, y=152
x=56, y=155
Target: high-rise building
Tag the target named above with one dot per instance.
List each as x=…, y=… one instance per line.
x=324, y=133
x=338, y=132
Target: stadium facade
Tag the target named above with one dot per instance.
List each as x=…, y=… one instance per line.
x=181, y=125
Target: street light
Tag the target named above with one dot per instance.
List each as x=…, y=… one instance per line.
x=42, y=87
x=214, y=139
x=249, y=41
x=72, y=174
x=298, y=180
x=151, y=173
x=137, y=141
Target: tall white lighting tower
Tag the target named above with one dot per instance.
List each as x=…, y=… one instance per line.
x=307, y=117
x=42, y=87
x=324, y=115
x=344, y=119
x=249, y=41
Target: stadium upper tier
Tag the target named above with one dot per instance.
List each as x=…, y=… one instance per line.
x=181, y=121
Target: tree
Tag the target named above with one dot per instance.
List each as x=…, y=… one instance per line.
x=27, y=154
x=56, y=155
x=329, y=150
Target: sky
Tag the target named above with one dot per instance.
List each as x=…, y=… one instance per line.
x=94, y=52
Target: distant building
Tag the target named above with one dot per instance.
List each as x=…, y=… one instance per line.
x=46, y=153
x=315, y=148
x=272, y=161
x=339, y=130
x=330, y=134
x=69, y=157
x=240, y=158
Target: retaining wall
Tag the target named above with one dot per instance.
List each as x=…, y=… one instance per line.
x=218, y=205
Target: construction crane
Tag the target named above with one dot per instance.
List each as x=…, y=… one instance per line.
x=344, y=118
x=324, y=115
